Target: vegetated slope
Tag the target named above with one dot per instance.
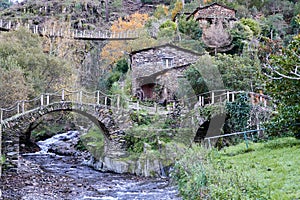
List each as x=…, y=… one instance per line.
x=88, y=14
x=267, y=170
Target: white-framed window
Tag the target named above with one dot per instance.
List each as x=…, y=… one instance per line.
x=167, y=62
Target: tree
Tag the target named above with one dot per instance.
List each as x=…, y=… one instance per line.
x=13, y=86
x=274, y=26
x=284, y=83
x=241, y=34
x=190, y=28
x=114, y=50
x=42, y=72
x=239, y=73
x=217, y=38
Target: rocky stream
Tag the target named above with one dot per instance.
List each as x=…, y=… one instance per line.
x=47, y=175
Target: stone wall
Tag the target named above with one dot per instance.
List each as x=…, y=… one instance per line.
x=150, y=65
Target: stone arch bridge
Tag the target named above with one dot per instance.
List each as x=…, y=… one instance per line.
x=104, y=110
x=94, y=105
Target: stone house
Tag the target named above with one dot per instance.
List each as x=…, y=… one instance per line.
x=214, y=12
x=215, y=21
x=157, y=70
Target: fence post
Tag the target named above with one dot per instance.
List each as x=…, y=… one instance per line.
x=155, y=107
x=209, y=144
x=80, y=96
x=212, y=97
x=42, y=100
x=246, y=140
x=98, y=97
x=200, y=100
x=232, y=99
x=63, y=95
x=228, y=96
x=18, y=108
x=105, y=101
x=48, y=99
x=23, y=106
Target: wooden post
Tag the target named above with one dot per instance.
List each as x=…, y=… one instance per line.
x=98, y=97
x=209, y=144
x=23, y=106
x=48, y=99
x=228, y=96
x=212, y=97
x=105, y=101
x=232, y=99
x=155, y=107
x=80, y=97
x=63, y=95
x=265, y=102
x=42, y=100
x=200, y=100
x=18, y=108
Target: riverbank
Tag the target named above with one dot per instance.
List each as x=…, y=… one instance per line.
x=55, y=177
x=44, y=175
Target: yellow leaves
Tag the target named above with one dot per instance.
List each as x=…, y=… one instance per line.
x=206, y=1
x=114, y=50
x=132, y=22
x=178, y=7
x=161, y=11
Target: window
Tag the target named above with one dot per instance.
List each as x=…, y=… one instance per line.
x=167, y=62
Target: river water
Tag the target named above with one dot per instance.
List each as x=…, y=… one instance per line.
x=92, y=184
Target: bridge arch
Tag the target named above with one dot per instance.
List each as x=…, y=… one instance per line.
x=99, y=114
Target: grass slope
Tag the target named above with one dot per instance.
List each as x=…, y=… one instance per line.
x=268, y=170
x=274, y=164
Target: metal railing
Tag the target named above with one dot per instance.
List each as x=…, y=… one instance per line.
x=208, y=139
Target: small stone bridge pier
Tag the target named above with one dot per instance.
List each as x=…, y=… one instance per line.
x=94, y=105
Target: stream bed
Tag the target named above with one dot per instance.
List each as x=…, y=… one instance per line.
x=46, y=175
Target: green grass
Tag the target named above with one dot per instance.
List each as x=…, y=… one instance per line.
x=275, y=165
x=267, y=170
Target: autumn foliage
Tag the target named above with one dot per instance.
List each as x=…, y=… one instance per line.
x=114, y=50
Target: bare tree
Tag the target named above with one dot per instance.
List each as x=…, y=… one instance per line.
x=217, y=37
x=275, y=71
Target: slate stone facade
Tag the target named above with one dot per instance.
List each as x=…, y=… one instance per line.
x=211, y=13
x=159, y=66
x=214, y=10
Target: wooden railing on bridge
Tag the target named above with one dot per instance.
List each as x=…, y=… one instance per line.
x=80, y=97
x=73, y=33
x=222, y=96
x=98, y=97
